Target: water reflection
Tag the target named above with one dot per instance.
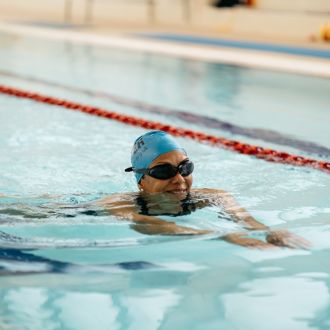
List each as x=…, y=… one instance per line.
x=48, y=309
x=277, y=303
x=148, y=308
x=81, y=310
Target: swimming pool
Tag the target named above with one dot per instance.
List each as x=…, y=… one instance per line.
x=106, y=276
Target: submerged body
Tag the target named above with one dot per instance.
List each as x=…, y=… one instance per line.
x=164, y=176
x=145, y=211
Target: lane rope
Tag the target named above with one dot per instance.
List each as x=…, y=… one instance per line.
x=188, y=117
x=243, y=148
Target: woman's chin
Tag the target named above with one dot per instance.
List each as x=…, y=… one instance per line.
x=178, y=193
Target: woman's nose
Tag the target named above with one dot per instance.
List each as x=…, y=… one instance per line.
x=178, y=178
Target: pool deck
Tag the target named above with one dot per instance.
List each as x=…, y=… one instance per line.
x=258, y=38
x=230, y=49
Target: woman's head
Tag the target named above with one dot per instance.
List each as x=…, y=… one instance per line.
x=161, y=165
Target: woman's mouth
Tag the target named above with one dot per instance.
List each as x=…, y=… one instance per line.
x=177, y=191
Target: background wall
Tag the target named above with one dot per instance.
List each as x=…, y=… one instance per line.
x=294, y=19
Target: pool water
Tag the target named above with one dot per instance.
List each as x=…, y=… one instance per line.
x=63, y=269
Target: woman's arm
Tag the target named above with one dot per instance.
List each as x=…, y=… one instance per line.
x=151, y=225
x=240, y=215
x=154, y=226
x=122, y=207
x=230, y=206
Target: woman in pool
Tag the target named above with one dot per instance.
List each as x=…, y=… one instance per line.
x=163, y=173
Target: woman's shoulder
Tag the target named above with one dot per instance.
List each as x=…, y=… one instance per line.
x=117, y=199
x=209, y=191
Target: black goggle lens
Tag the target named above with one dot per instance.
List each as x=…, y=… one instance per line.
x=167, y=171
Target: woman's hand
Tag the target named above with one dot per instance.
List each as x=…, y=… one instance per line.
x=286, y=239
x=274, y=239
x=242, y=240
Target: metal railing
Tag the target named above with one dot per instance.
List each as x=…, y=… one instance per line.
x=68, y=11
x=150, y=8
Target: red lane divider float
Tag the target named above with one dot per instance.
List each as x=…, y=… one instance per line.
x=243, y=148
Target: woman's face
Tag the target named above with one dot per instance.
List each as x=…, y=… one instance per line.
x=179, y=185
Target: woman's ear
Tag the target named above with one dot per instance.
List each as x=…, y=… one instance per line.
x=142, y=183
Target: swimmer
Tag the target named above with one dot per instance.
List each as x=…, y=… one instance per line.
x=163, y=172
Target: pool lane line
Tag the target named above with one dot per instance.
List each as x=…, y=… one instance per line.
x=35, y=264
x=270, y=155
x=246, y=58
x=239, y=44
x=255, y=133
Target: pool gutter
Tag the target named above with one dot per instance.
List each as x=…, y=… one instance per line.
x=318, y=67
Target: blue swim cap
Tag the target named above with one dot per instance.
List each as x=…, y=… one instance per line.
x=149, y=146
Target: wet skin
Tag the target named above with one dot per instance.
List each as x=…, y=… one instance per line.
x=165, y=196
x=177, y=188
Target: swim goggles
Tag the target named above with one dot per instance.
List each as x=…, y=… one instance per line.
x=165, y=171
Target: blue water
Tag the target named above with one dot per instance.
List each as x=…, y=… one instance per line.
x=101, y=273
